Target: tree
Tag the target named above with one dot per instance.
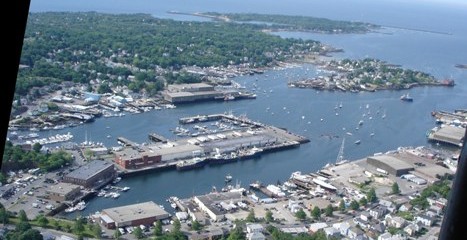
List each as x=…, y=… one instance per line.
x=22, y=216
x=31, y=234
x=268, y=217
x=300, y=215
x=236, y=233
x=22, y=227
x=96, y=230
x=158, y=228
x=42, y=221
x=37, y=147
x=342, y=206
x=329, y=210
x=195, y=225
x=117, y=234
x=176, y=226
x=78, y=227
x=138, y=233
x=363, y=201
x=354, y=205
x=316, y=212
x=104, y=88
x=371, y=196
x=251, y=216
x=4, y=216
x=395, y=188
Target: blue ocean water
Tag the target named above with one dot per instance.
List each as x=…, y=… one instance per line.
x=301, y=110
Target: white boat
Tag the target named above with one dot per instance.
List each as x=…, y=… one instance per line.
x=324, y=184
x=228, y=178
x=357, y=142
x=115, y=195
x=360, y=122
x=80, y=206
x=117, y=179
x=125, y=189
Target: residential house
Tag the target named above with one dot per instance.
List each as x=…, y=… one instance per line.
x=431, y=214
x=378, y=212
x=314, y=227
x=394, y=221
x=354, y=232
x=343, y=227
x=411, y=229
x=436, y=209
x=426, y=220
x=365, y=216
x=379, y=227
x=388, y=236
x=331, y=232
x=391, y=207
x=255, y=236
x=360, y=222
x=254, y=227
x=405, y=207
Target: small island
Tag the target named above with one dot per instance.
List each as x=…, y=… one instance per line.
x=461, y=66
x=368, y=75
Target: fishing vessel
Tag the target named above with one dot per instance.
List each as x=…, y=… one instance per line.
x=406, y=98
x=228, y=178
x=191, y=164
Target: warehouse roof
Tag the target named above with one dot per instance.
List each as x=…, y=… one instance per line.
x=391, y=161
x=89, y=170
x=135, y=212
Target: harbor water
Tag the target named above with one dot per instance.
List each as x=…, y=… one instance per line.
x=313, y=114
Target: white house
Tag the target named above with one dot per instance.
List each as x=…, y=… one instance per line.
x=254, y=227
x=255, y=236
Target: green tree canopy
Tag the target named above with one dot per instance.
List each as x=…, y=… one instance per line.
x=316, y=212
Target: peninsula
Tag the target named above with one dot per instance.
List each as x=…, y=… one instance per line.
x=368, y=75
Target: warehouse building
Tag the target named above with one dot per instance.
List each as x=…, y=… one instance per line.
x=179, y=93
x=92, y=175
x=132, y=215
x=130, y=158
x=63, y=192
x=216, y=205
x=390, y=164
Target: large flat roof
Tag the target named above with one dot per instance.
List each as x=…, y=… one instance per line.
x=392, y=161
x=62, y=188
x=134, y=212
x=90, y=169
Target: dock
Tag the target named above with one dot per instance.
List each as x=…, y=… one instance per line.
x=126, y=142
x=157, y=138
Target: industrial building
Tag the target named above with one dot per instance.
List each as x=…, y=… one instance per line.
x=92, y=175
x=191, y=92
x=63, y=191
x=390, y=164
x=216, y=205
x=448, y=134
x=132, y=215
x=136, y=158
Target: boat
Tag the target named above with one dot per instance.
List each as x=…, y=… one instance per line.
x=357, y=142
x=70, y=209
x=228, y=178
x=324, y=184
x=80, y=206
x=229, y=97
x=406, y=98
x=196, y=162
x=116, y=180
x=124, y=189
x=360, y=122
